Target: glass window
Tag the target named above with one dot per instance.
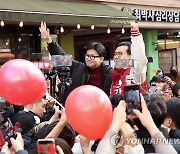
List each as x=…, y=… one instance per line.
x=24, y=47
x=167, y=59
x=7, y=48
x=170, y=44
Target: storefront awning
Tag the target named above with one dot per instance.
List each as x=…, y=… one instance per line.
x=57, y=11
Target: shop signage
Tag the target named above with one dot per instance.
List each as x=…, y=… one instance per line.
x=43, y=65
x=151, y=15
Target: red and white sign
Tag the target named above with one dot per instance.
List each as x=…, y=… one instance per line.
x=43, y=65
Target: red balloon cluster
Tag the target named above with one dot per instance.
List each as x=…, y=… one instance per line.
x=89, y=111
x=21, y=82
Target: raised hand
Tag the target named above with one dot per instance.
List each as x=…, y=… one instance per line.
x=5, y=149
x=84, y=144
x=18, y=143
x=59, y=150
x=169, y=81
x=119, y=116
x=63, y=118
x=45, y=32
x=134, y=26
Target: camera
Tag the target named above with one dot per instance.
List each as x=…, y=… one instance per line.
x=62, y=64
x=61, y=67
x=61, y=60
x=132, y=98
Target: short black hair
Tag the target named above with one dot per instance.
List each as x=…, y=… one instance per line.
x=173, y=108
x=128, y=44
x=157, y=108
x=115, y=99
x=100, y=49
x=156, y=78
x=68, y=134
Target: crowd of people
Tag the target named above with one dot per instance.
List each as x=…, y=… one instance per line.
x=155, y=128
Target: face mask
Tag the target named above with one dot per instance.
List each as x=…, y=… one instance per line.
x=174, y=72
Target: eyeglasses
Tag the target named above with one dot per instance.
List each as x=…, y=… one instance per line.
x=92, y=57
x=117, y=54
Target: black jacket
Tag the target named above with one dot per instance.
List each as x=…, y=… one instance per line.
x=79, y=71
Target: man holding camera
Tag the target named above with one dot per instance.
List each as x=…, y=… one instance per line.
x=134, y=74
x=94, y=72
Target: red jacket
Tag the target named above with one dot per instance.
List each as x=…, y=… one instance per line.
x=119, y=81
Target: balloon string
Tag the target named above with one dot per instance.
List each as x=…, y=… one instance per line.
x=56, y=102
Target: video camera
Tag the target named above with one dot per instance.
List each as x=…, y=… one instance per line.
x=61, y=67
x=61, y=61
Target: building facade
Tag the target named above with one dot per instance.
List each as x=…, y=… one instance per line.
x=159, y=22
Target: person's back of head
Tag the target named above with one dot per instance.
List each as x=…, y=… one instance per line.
x=156, y=79
x=173, y=108
x=98, y=47
x=115, y=99
x=68, y=134
x=146, y=97
x=26, y=121
x=64, y=145
x=60, y=142
x=176, y=90
x=158, y=109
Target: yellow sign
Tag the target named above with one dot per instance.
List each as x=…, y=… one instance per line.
x=153, y=72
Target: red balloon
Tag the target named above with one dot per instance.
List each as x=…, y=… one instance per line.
x=89, y=111
x=21, y=82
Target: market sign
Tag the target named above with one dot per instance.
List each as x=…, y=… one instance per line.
x=151, y=15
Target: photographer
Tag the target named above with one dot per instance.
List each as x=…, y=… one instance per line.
x=94, y=72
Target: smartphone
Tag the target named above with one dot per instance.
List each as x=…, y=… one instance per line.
x=155, y=90
x=124, y=63
x=132, y=98
x=152, y=89
x=46, y=146
x=7, y=131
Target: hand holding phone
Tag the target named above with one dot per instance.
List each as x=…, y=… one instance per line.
x=8, y=131
x=46, y=146
x=132, y=98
